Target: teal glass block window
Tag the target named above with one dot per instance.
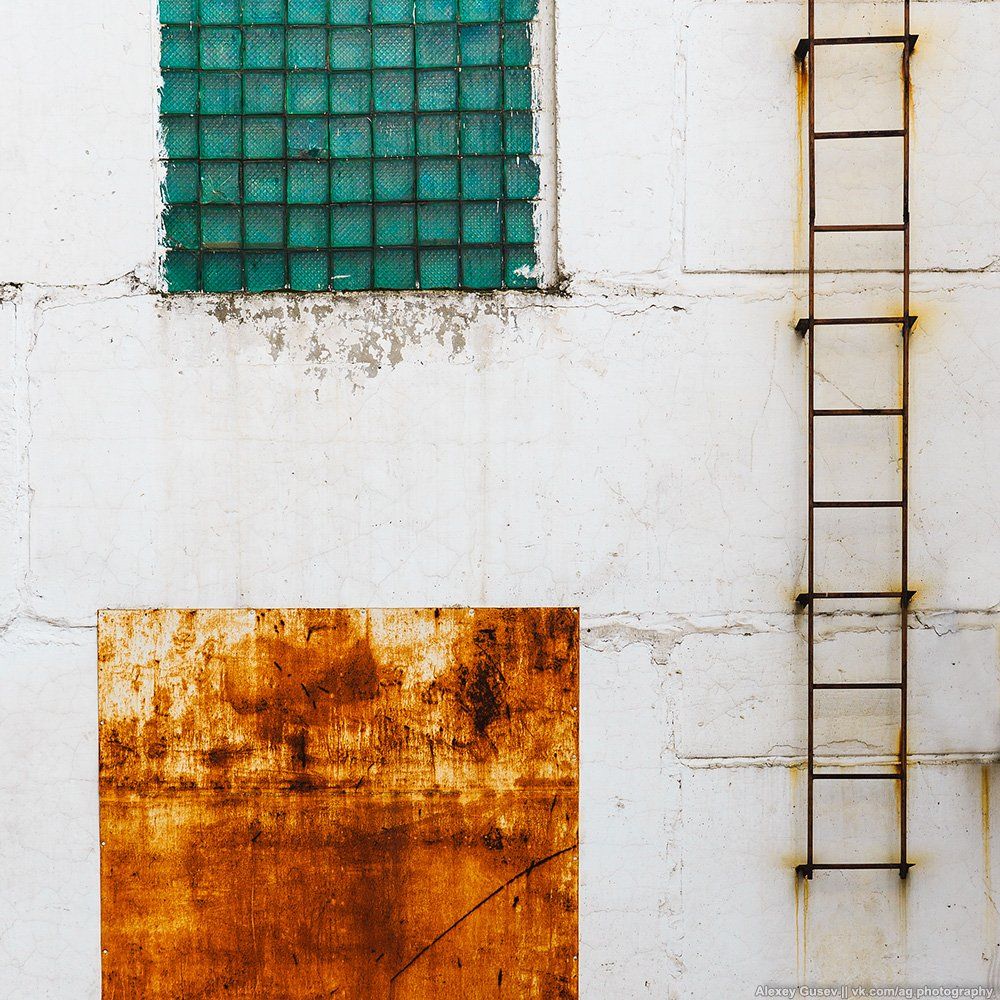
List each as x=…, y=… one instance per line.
x=349, y=145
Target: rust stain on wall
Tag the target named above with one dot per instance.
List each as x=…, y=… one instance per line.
x=299, y=805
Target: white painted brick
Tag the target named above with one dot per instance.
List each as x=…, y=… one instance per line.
x=747, y=922
x=78, y=176
x=745, y=178
x=49, y=875
x=743, y=694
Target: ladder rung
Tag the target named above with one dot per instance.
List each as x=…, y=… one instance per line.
x=860, y=686
x=803, y=324
x=802, y=49
x=859, y=776
x=902, y=867
x=844, y=595
x=876, y=133
x=876, y=227
x=858, y=412
x=857, y=504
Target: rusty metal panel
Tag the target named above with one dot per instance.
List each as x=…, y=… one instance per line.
x=350, y=804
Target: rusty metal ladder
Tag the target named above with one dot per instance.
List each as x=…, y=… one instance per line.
x=810, y=327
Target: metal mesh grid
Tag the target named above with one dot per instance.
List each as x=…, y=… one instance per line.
x=348, y=144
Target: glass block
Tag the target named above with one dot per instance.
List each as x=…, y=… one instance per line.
x=395, y=225
x=308, y=138
x=437, y=45
x=308, y=183
x=220, y=11
x=220, y=137
x=179, y=48
x=437, y=135
x=263, y=182
x=221, y=48
x=437, y=222
x=481, y=134
x=351, y=225
x=181, y=184
x=437, y=10
x=395, y=269
x=479, y=10
x=307, y=48
x=394, y=90
x=394, y=180
x=519, y=267
x=480, y=89
x=437, y=179
x=350, y=48
x=181, y=271
x=307, y=11
x=350, y=93
x=220, y=93
x=350, y=137
x=482, y=267
x=178, y=11
x=522, y=177
x=437, y=90
x=181, y=224
x=264, y=93
x=392, y=11
x=517, y=89
x=439, y=269
x=221, y=227
x=482, y=178
x=519, y=132
x=180, y=136
x=516, y=45
x=221, y=272
x=263, y=11
x=264, y=225
x=180, y=93
x=309, y=272
x=308, y=226
x=480, y=44
x=265, y=272
x=481, y=222
x=392, y=47
x=519, y=222
x=394, y=135
x=352, y=270
x=351, y=180
x=264, y=48
x=220, y=182
x=349, y=11
x=263, y=138
x=346, y=116
x=519, y=10
x=307, y=93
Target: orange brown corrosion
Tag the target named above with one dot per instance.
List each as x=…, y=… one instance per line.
x=350, y=804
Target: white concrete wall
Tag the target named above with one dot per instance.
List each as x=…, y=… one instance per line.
x=635, y=446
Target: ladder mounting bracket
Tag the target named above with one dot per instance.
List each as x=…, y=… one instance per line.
x=802, y=49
